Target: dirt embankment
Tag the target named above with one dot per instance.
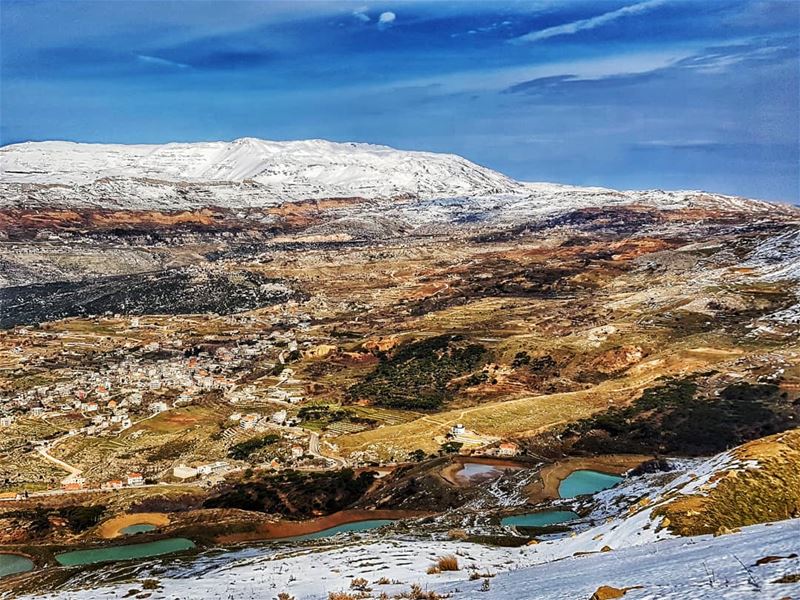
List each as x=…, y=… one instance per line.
x=551, y=476
x=284, y=529
x=113, y=527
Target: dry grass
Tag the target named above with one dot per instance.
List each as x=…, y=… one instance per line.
x=360, y=584
x=448, y=562
x=744, y=497
x=417, y=593
x=515, y=416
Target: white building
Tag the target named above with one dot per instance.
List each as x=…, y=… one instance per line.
x=158, y=407
x=249, y=421
x=135, y=479
x=215, y=467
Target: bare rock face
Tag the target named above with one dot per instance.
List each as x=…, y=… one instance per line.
x=618, y=359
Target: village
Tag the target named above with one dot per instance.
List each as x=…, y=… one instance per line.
x=112, y=396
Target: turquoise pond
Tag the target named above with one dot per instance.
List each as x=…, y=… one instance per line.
x=345, y=528
x=138, y=528
x=129, y=552
x=13, y=563
x=579, y=483
x=540, y=519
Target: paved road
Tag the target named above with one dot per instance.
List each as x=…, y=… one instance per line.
x=314, y=450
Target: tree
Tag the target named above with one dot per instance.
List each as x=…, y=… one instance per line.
x=451, y=448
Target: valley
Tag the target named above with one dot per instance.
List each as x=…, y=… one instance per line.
x=253, y=366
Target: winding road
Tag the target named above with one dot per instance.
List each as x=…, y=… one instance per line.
x=43, y=452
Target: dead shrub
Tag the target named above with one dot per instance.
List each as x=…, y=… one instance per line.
x=448, y=562
x=417, y=593
x=360, y=584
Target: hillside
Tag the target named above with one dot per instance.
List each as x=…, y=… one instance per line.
x=277, y=170
x=623, y=541
x=228, y=343
x=250, y=172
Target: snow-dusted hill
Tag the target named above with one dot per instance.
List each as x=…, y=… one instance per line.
x=250, y=172
x=301, y=169
x=622, y=542
x=704, y=567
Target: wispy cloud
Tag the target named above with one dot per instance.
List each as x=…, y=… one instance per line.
x=161, y=62
x=717, y=60
x=590, y=23
x=361, y=14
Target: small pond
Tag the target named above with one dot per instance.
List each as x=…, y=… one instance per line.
x=137, y=528
x=539, y=519
x=129, y=552
x=579, y=483
x=14, y=563
x=344, y=528
x=478, y=471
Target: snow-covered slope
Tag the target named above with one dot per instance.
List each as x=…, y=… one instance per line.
x=703, y=567
x=250, y=172
x=301, y=169
x=620, y=543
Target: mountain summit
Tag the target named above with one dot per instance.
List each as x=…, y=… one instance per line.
x=255, y=173
x=309, y=168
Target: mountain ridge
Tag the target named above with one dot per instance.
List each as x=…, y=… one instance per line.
x=250, y=172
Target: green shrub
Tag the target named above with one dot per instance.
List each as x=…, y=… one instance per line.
x=674, y=418
x=418, y=374
x=243, y=450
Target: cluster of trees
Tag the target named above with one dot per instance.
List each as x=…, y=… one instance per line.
x=674, y=418
x=78, y=518
x=294, y=493
x=243, y=450
x=418, y=374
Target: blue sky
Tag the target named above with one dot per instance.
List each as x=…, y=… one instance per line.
x=623, y=93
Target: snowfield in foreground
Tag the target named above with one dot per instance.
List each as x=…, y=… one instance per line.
x=702, y=567
x=680, y=568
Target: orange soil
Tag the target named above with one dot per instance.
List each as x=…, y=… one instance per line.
x=112, y=527
x=283, y=529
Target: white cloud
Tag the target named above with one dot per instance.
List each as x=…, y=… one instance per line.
x=590, y=23
x=485, y=80
x=386, y=18
x=361, y=14
x=163, y=62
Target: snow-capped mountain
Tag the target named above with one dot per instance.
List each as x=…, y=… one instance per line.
x=300, y=169
x=249, y=172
